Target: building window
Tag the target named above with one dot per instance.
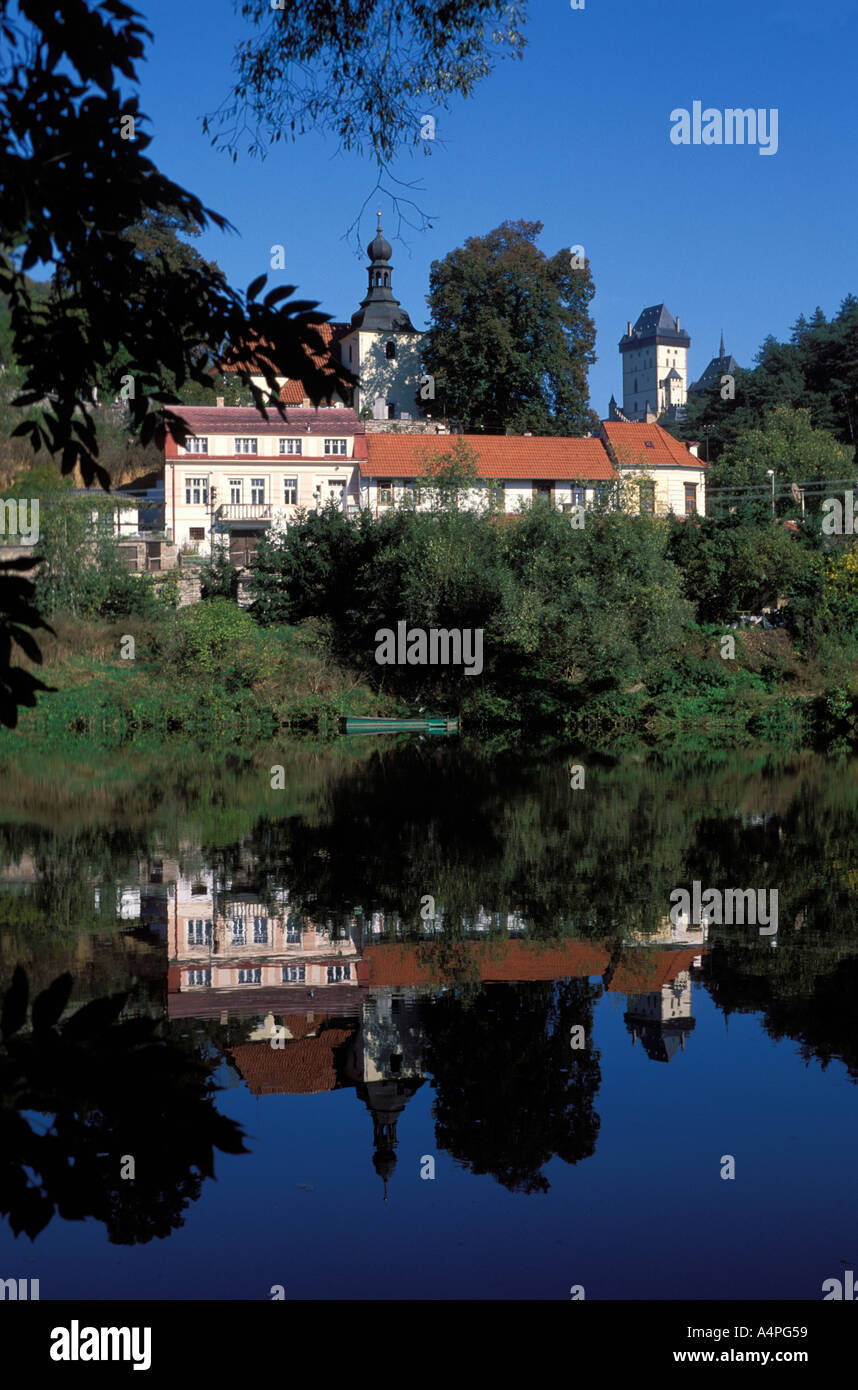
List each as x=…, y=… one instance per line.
x=647, y=498
x=290, y=446
x=648, y=444
x=293, y=930
x=257, y=491
x=335, y=446
x=197, y=533
x=339, y=972
x=196, y=444
x=238, y=935
x=390, y=349
x=690, y=499
x=391, y=410
x=245, y=446
x=199, y=933
x=290, y=491
x=636, y=384
x=260, y=931
x=197, y=492
x=250, y=977
x=600, y=496
x=199, y=977
x=235, y=490
x=294, y=974
x=579, y=496
x=350, y=352
x=385, y=493
x=496, y=494
x=410, y=490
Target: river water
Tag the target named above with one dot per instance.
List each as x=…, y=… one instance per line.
x=418, y=1024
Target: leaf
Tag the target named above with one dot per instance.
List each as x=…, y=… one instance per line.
x=94, y=1017
x=48, y=1006
x=274, y=296
x=15, y=1003
x=256, y=285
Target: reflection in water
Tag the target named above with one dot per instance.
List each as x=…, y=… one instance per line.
x=290, y=955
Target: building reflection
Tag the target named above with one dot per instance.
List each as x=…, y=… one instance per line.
x=305, y=1003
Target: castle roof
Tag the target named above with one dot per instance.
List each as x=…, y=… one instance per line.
x=655, y=324
x=722, y=365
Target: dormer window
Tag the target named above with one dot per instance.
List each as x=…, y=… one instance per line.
x=648, y=444
x=390, y=349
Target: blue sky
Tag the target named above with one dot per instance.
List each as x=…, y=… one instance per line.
x=576, y=135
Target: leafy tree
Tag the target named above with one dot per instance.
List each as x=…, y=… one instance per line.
x=309, y=569
x=218, y=576
x=511, y=337
x=816, y=370
x=448, y=477
x=787, y=443
x=75, y=178
x=366, y=77
x=81, y=570
x=738, y=560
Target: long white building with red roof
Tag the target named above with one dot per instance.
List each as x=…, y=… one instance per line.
x=232, y=472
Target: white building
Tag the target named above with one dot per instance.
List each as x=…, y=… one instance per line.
x=236, y=472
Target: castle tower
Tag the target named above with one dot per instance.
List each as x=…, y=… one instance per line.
x=382, y=346
x=655, y=366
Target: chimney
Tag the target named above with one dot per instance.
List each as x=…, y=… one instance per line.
x=629, y=328
x=220, y=400
x=677, y=323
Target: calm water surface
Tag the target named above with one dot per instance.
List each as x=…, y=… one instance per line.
x=418, y=1024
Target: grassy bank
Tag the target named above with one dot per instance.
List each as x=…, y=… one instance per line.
x=213, y=676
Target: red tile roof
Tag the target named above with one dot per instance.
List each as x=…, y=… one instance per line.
x=645, y=971
x=301, y=1068
x=433, y=963
x=301, y=1025
x=256, y=357
x=293, y=393
x=240, y=419
x=498, y=456
x=628, y=446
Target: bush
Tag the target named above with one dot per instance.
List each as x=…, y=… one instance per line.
x=219, y=639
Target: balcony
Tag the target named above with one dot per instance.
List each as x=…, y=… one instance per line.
x=246, y=511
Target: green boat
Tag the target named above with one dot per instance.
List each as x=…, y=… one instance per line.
x=428, y=724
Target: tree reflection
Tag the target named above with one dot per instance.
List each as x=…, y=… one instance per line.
x=78, y=1100
x=512, y=1093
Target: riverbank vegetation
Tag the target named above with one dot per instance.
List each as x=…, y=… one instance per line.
x=630, y=622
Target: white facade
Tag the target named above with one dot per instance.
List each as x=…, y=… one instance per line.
x=388, y=364
x=236, y=483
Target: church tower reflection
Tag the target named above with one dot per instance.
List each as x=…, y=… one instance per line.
x=385, y=1061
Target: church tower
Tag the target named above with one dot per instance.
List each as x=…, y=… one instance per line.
x=655, y=366
x=382, y=346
